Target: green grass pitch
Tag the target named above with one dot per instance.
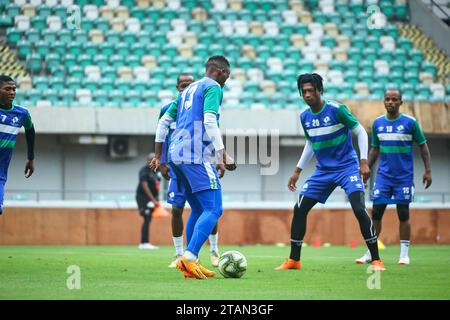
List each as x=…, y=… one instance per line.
x=113, y=272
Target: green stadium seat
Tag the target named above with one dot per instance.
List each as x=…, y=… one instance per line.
x=384, y=54
x=143, y=37
x=159, y=38
x=24, y=48
x=391, y=30
x=397, y=66
x=266, y=6
x=33, y=36
x=370, y=54
x=13, y=35
x=416, y=55
x=75, y=71
x=117, y=97
x=412, y=78
x=163, y=26
x=412, y=66
x=102, y=24
x=80, y=36
x=117, y=60
x=90, y=84
x=170, y=51
x=12, y=10
x=61, y=11
x=74, y=48
x=138, y=13
x=422, y=89
x=367, y=65
x=373, y=42
x=400, y=54
x=319, y=17
x=70, y=60
x=422, y=97
x=396, y=78
x=381, y=80
x=40, y=83
x=148, y=25
x=57, y=71
x=101, y=60
x=405, y=44
x=328, y=41
x=42, y=47
x=153, y=49
x=429, y=67
x=34, y=95
x=140, y=86
x=73, y=84
x=112, y=37
x=109, y=72
x=159, y=74
x=38, y=23
x=6, y=21
x=65, y=36
x=366, y=76
x=407, y=89
x=90, y=49
x=57, y=83
x=353, y=65
x=106, y=49
x=279, y=52
x=52, y=60
x=101, y=97
x=138, y=49
x=132, y=61
x=346, y=29
x=128, y=37
x=358, y=42
x=51, y=95
x=351, y=77
x=34, y=63
x=106, y=84
x=85, y=60
x=275, y=76
x=122, y=49
x=337, y=65
x=49, y=36
x=387, y=9
x=401, y=11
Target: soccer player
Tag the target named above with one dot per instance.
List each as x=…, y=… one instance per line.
x=12, y=118
x=177, y=198
x=393, y=135
x=328, y=126
x=196, y=138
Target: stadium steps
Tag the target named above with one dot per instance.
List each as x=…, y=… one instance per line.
x=9, y=64
x=431, y=52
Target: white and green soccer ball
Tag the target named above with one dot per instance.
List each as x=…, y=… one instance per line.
x=232, y=264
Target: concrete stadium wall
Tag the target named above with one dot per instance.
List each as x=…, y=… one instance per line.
x=434, y=118
x=58, y=226
x=68, y=167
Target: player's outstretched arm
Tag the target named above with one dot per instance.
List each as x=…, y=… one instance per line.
x=305, y=158
x=29, y=166
x=363, y=144
x=426, y=157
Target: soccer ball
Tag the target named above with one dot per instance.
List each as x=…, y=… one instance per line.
x=232, y=264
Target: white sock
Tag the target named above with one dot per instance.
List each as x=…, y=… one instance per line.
x=404, y=247
x=190, y=256
x=178, y=244
x=213, y=242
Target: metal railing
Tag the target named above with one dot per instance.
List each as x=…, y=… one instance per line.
x=228, y=196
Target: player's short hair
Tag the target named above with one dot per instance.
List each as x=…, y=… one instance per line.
x=394, y=89
x=183, y=74
x=217, y=62
x=313, y=78
x=4, y=78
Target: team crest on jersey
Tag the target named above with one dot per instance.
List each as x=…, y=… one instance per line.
x=326, y=120
x=380, y=128
x=400, y=128
x=307, y=124
x=14, y=121
x=171, y=195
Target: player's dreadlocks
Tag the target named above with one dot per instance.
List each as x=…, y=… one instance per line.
x=313, y=78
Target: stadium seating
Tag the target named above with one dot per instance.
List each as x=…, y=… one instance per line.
x=129, y=52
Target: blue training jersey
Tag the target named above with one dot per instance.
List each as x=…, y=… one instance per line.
x=395, y=139
x=10, y=123
x=329, y=132
x=189, y=142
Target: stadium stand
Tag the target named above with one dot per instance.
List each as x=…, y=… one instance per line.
x=124, y=51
